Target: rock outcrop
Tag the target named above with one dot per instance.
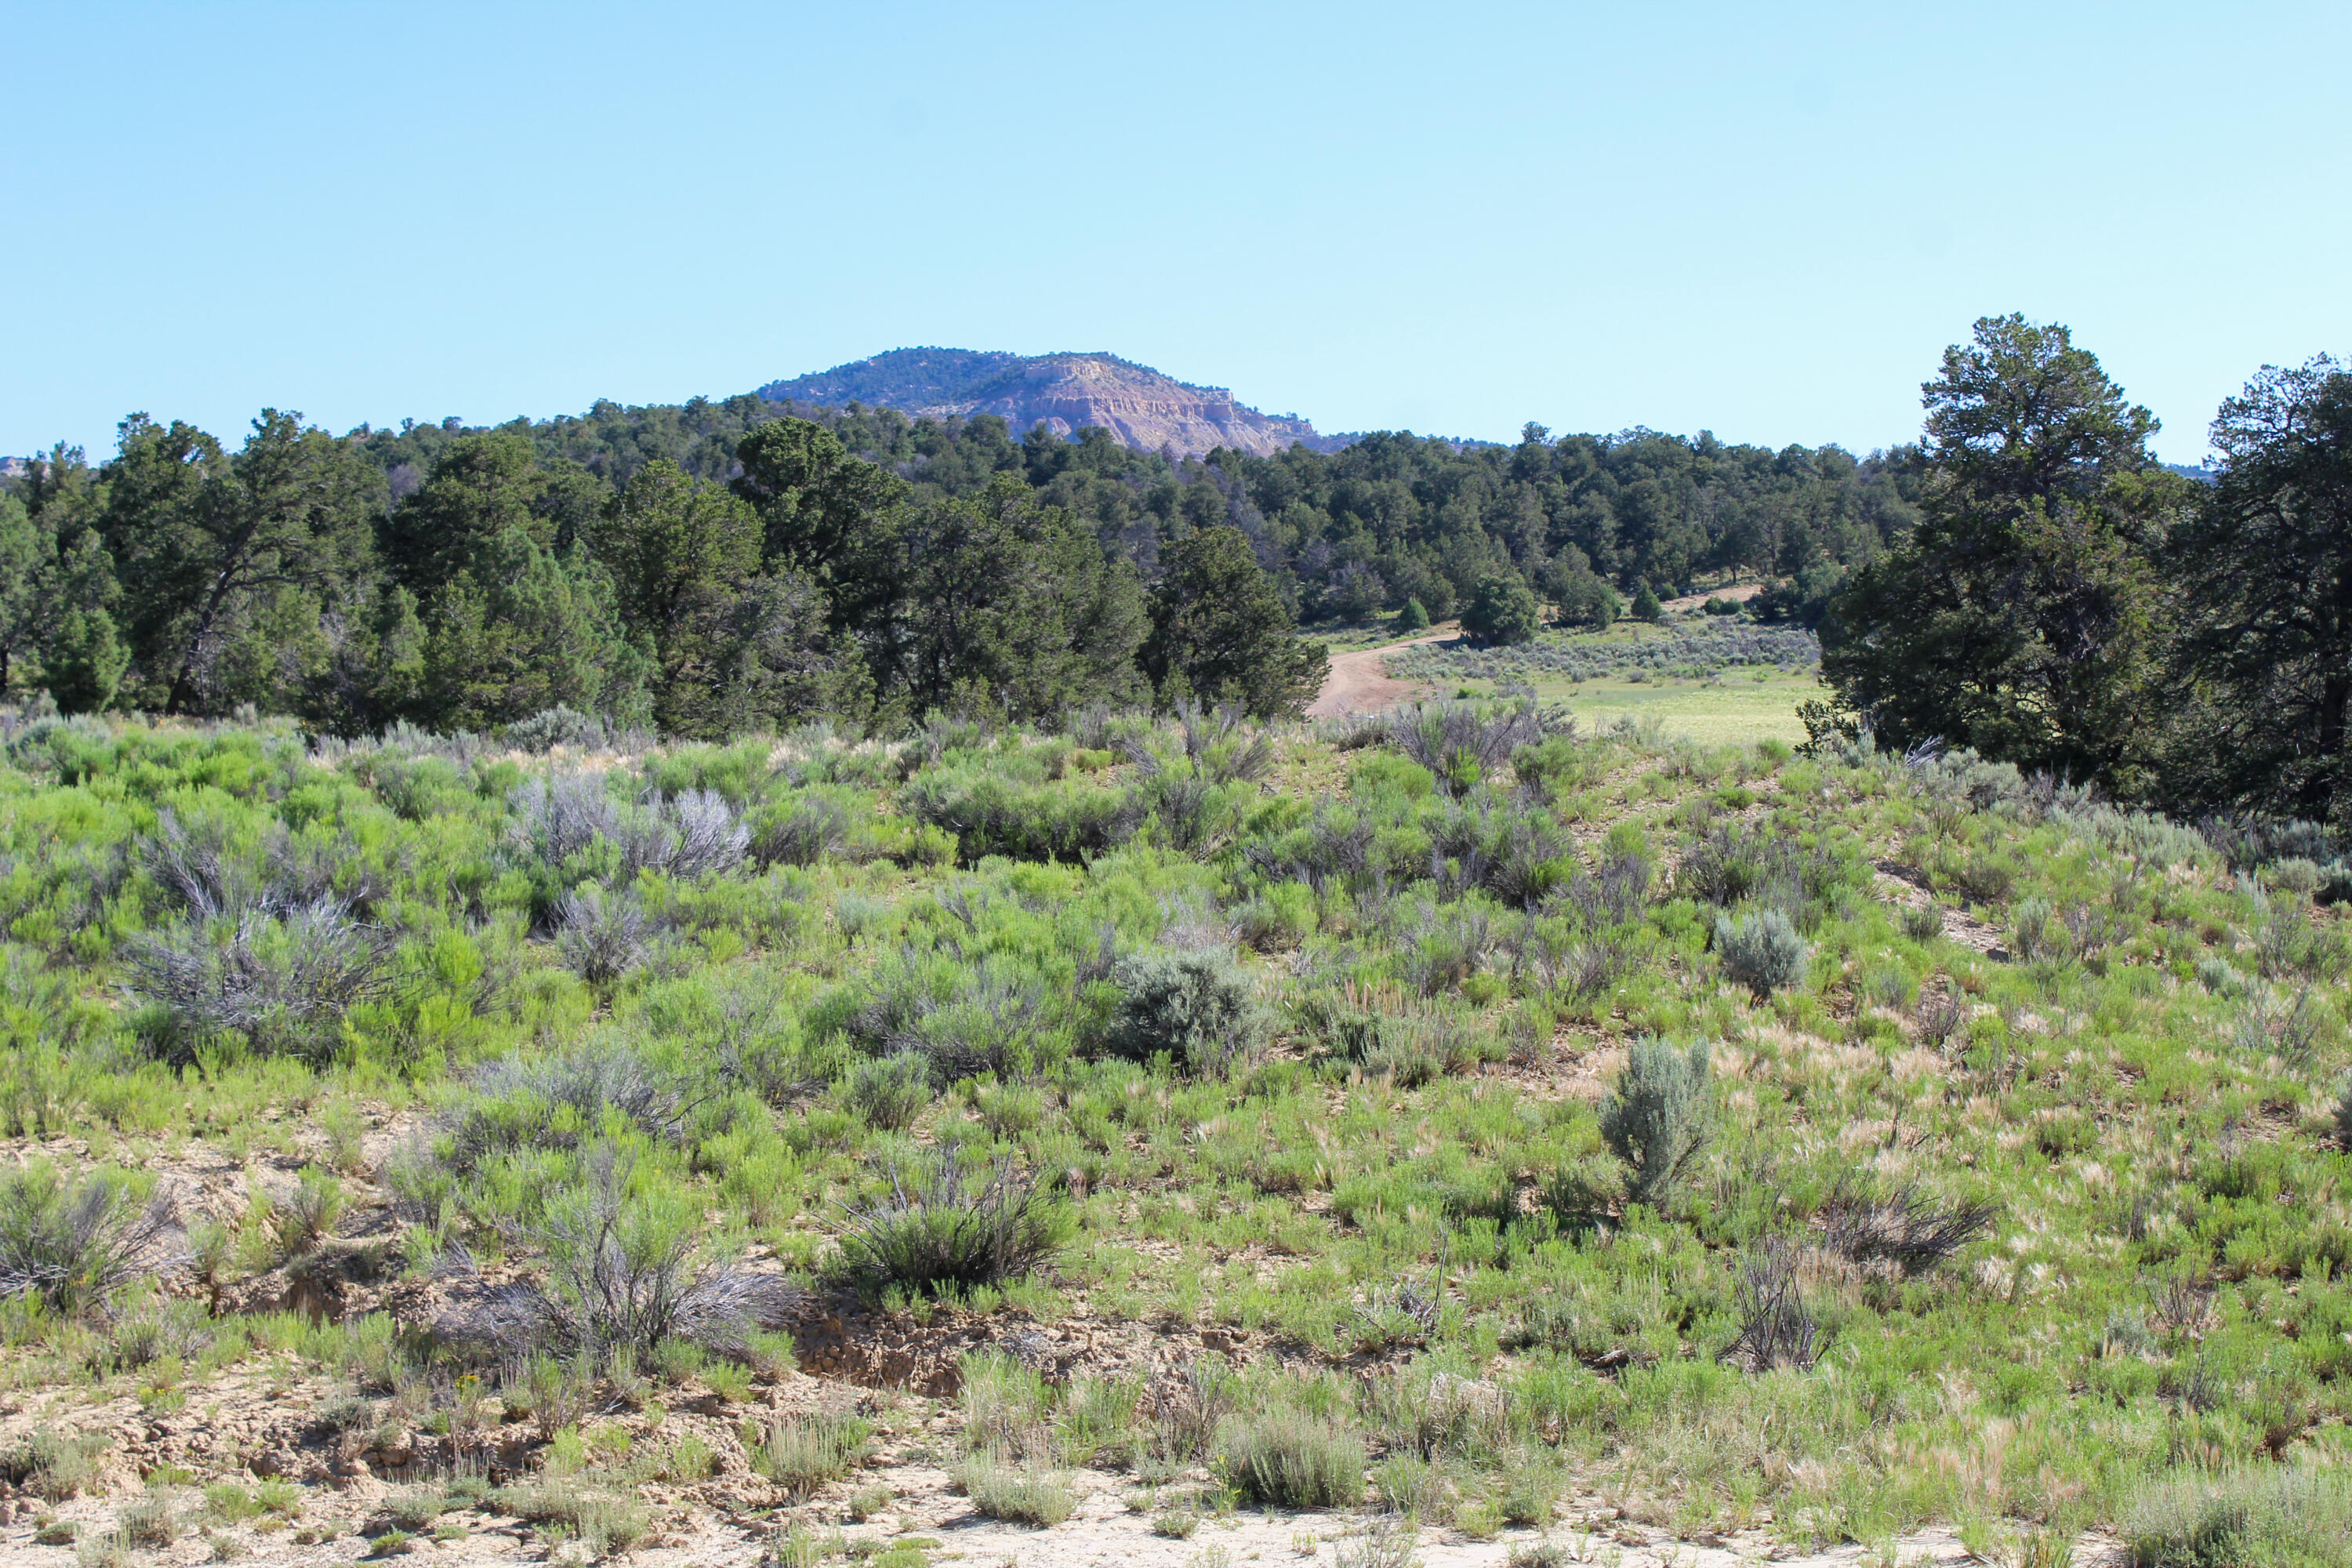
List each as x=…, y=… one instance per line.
x=1062, y=392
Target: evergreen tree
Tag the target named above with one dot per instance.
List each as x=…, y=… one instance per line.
x=2022, y=615
x=526, y=630
x=812, y=497
x=1502, y=611
x=1014, y=605
x=208, y=548
x=1220, y=630
x=2267, y=566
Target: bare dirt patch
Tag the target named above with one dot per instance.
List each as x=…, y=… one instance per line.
x=1360, y=682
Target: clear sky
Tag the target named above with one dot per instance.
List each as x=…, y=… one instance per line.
x=1764, y=220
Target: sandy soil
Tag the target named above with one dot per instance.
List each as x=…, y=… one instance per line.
x=1738, y=595
x=1113, y=1526
x=1358, y=682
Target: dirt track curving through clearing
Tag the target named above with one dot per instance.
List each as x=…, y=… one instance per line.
x=1358, y=682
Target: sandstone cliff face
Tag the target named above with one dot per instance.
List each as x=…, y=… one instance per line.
x=1062, y=392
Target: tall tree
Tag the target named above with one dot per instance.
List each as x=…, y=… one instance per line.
x=1013, y=604
x=2266, y=569
x=812, y=497
x=2022, y=615
x=526, y=630
x=681, y=553
x=480, y=486
x=1220, y=630
x=200, y=542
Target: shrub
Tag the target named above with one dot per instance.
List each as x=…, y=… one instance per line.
x=284, y=982
x=74, y=1247
x=1098, y=1420
x=625, y=1271
x=888, y=1092
x=1294, y=1461
x=1775, y=1327
x=602, y=935
x=1760, y=951
x=692, y=834
x=1020, y=1494
x=151, y=1521
x=309, y=1214
x=412, y=1509
x=986, y=1024
x=1199, y=1007
x=1908, y=1229
x=157, y=1328
x=2217, y=976
x=2280, y=1515
x=558, y=820
x=1460, y=742
x=801, y=1453
x=944, y=1227
x=56, y=1465
x=1923, y=922
x=1655, y=1118
x=1007, y=1409
x=602, y=1522
x=1414, y=617
x=557, y=726
x=518, y=1103
x=803, y=833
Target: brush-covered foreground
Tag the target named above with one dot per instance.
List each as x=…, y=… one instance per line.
x=1456, y=1116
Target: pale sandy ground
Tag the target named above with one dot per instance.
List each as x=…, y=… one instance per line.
x=1358, y=682
x=1104, y=1532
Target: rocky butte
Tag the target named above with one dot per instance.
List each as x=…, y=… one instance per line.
x=1062, y=392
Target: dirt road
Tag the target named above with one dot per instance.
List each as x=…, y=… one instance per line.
x=1358, y=682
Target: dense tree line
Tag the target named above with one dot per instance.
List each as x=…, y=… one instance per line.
x=2027, y=581
x=2068, y=604
x=714, y=565
x=468, y=579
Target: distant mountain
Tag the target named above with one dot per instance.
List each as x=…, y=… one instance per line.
x=1062, y=392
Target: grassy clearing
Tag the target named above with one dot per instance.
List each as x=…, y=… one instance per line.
x=1569, y=1110
x=1687, y=679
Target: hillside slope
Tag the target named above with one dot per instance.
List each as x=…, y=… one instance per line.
x=1062, y=392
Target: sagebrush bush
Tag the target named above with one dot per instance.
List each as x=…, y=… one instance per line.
x=2272, y=1517
x=1459, y=743
x=626, y=1270
x=284, y=982
x=946, y=1224
x=1760, y=951
x=1909, y=1230
x=1198, y=1006
x=801, y=832
x=1019, y=1493
x=75, y=1245
x=888, y=1092
x=559, y=1102
x=55, y=1465
x=558, y=726
x=1285, y=1459
x=1656, y=1117
x=602, y=935
x=802, y=1453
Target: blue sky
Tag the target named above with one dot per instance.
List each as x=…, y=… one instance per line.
x=1763, y=220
